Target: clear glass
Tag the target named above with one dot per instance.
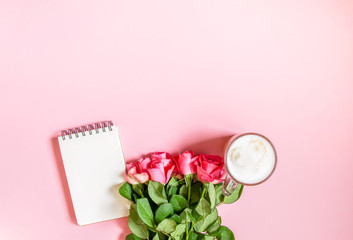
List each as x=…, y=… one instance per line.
x=230, y=183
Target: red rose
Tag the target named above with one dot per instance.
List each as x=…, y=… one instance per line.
x=160, y=166
x=136, y=174
x=186, y=162
x=210, y=168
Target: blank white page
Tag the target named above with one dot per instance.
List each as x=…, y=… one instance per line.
x=95, y=168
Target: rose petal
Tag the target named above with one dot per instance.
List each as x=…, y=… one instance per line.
x=144, y=163
x=129, y=165
x=186, y=162
x=160, y=156
x=168, y=173
x=142, y=177
x=203, y=176
x=131, y=180
x=217, y=181
x=209, y=167
x=132, y=171
x=157, y=175
x=215, y=158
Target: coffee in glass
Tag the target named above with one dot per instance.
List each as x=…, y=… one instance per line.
x=250, y=159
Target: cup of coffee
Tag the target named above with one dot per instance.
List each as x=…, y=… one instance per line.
x=250, y=159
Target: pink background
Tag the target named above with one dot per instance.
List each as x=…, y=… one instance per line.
x=178, y=75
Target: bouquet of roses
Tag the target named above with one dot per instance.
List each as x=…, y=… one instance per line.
x=176, y=197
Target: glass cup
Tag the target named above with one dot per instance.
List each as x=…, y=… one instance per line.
x=231, y=182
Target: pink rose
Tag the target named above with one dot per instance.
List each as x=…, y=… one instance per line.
x=160, y=166
x=186, y=162
x=210, y=169
x=136, y=173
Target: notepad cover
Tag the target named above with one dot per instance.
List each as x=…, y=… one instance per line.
x=95, y=168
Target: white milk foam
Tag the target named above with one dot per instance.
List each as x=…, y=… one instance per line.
x=250, y=159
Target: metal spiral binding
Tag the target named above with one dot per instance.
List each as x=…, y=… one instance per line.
x=87, y=128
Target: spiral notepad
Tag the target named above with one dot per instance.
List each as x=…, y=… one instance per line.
x=95, y=168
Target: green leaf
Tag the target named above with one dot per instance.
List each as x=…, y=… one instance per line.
x=163, y=211
x=179, y=230
x=179, y=203
x=219, y=193
x=155, y=190
x=223, y=233
x=167, y=226
x=203, y=207
x=186, y=216
x=183, y=191
x=138, y=188
x=235, y=195
x=136, y=225
x=195, y=216
x=212, y=194
x=159, y=236
x=205, y=223
x=176, y=218
x=173, y=182
x=207, y=237
x=134, y=215
x=132, y=237
x=145, y=212
x=135, y=197
x=172, y=190
x=214, y=227
x=193, y=236
x=126, y=190
x=164, y=193
x=196, y=190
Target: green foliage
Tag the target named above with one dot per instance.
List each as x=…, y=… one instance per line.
x=173, y=182
x=224, y=233
x=183, y=191
x=207, y=237
x=145, y=212
x=159, y=236
x=186, y=216
x=135, y=197
x=126, y=191
x=219, y=193
x=203, y=207
x=156, y=192
x=179, y=230
x=132, y=237
x=205, y=223
x=179, y=203
x=163, y=211
x=176, y=218
x=214, y=227
x=193, y=236
x=171, y=191
x=235, y=195
x=138, y=189
x=136, y=225
x=211, y=192
x=188, y=179
x=196, y=190
x=166, y=226
x=180, y=210
x=164, y=193
x=156, y=237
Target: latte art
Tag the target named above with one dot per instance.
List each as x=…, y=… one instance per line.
x=250, y=159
